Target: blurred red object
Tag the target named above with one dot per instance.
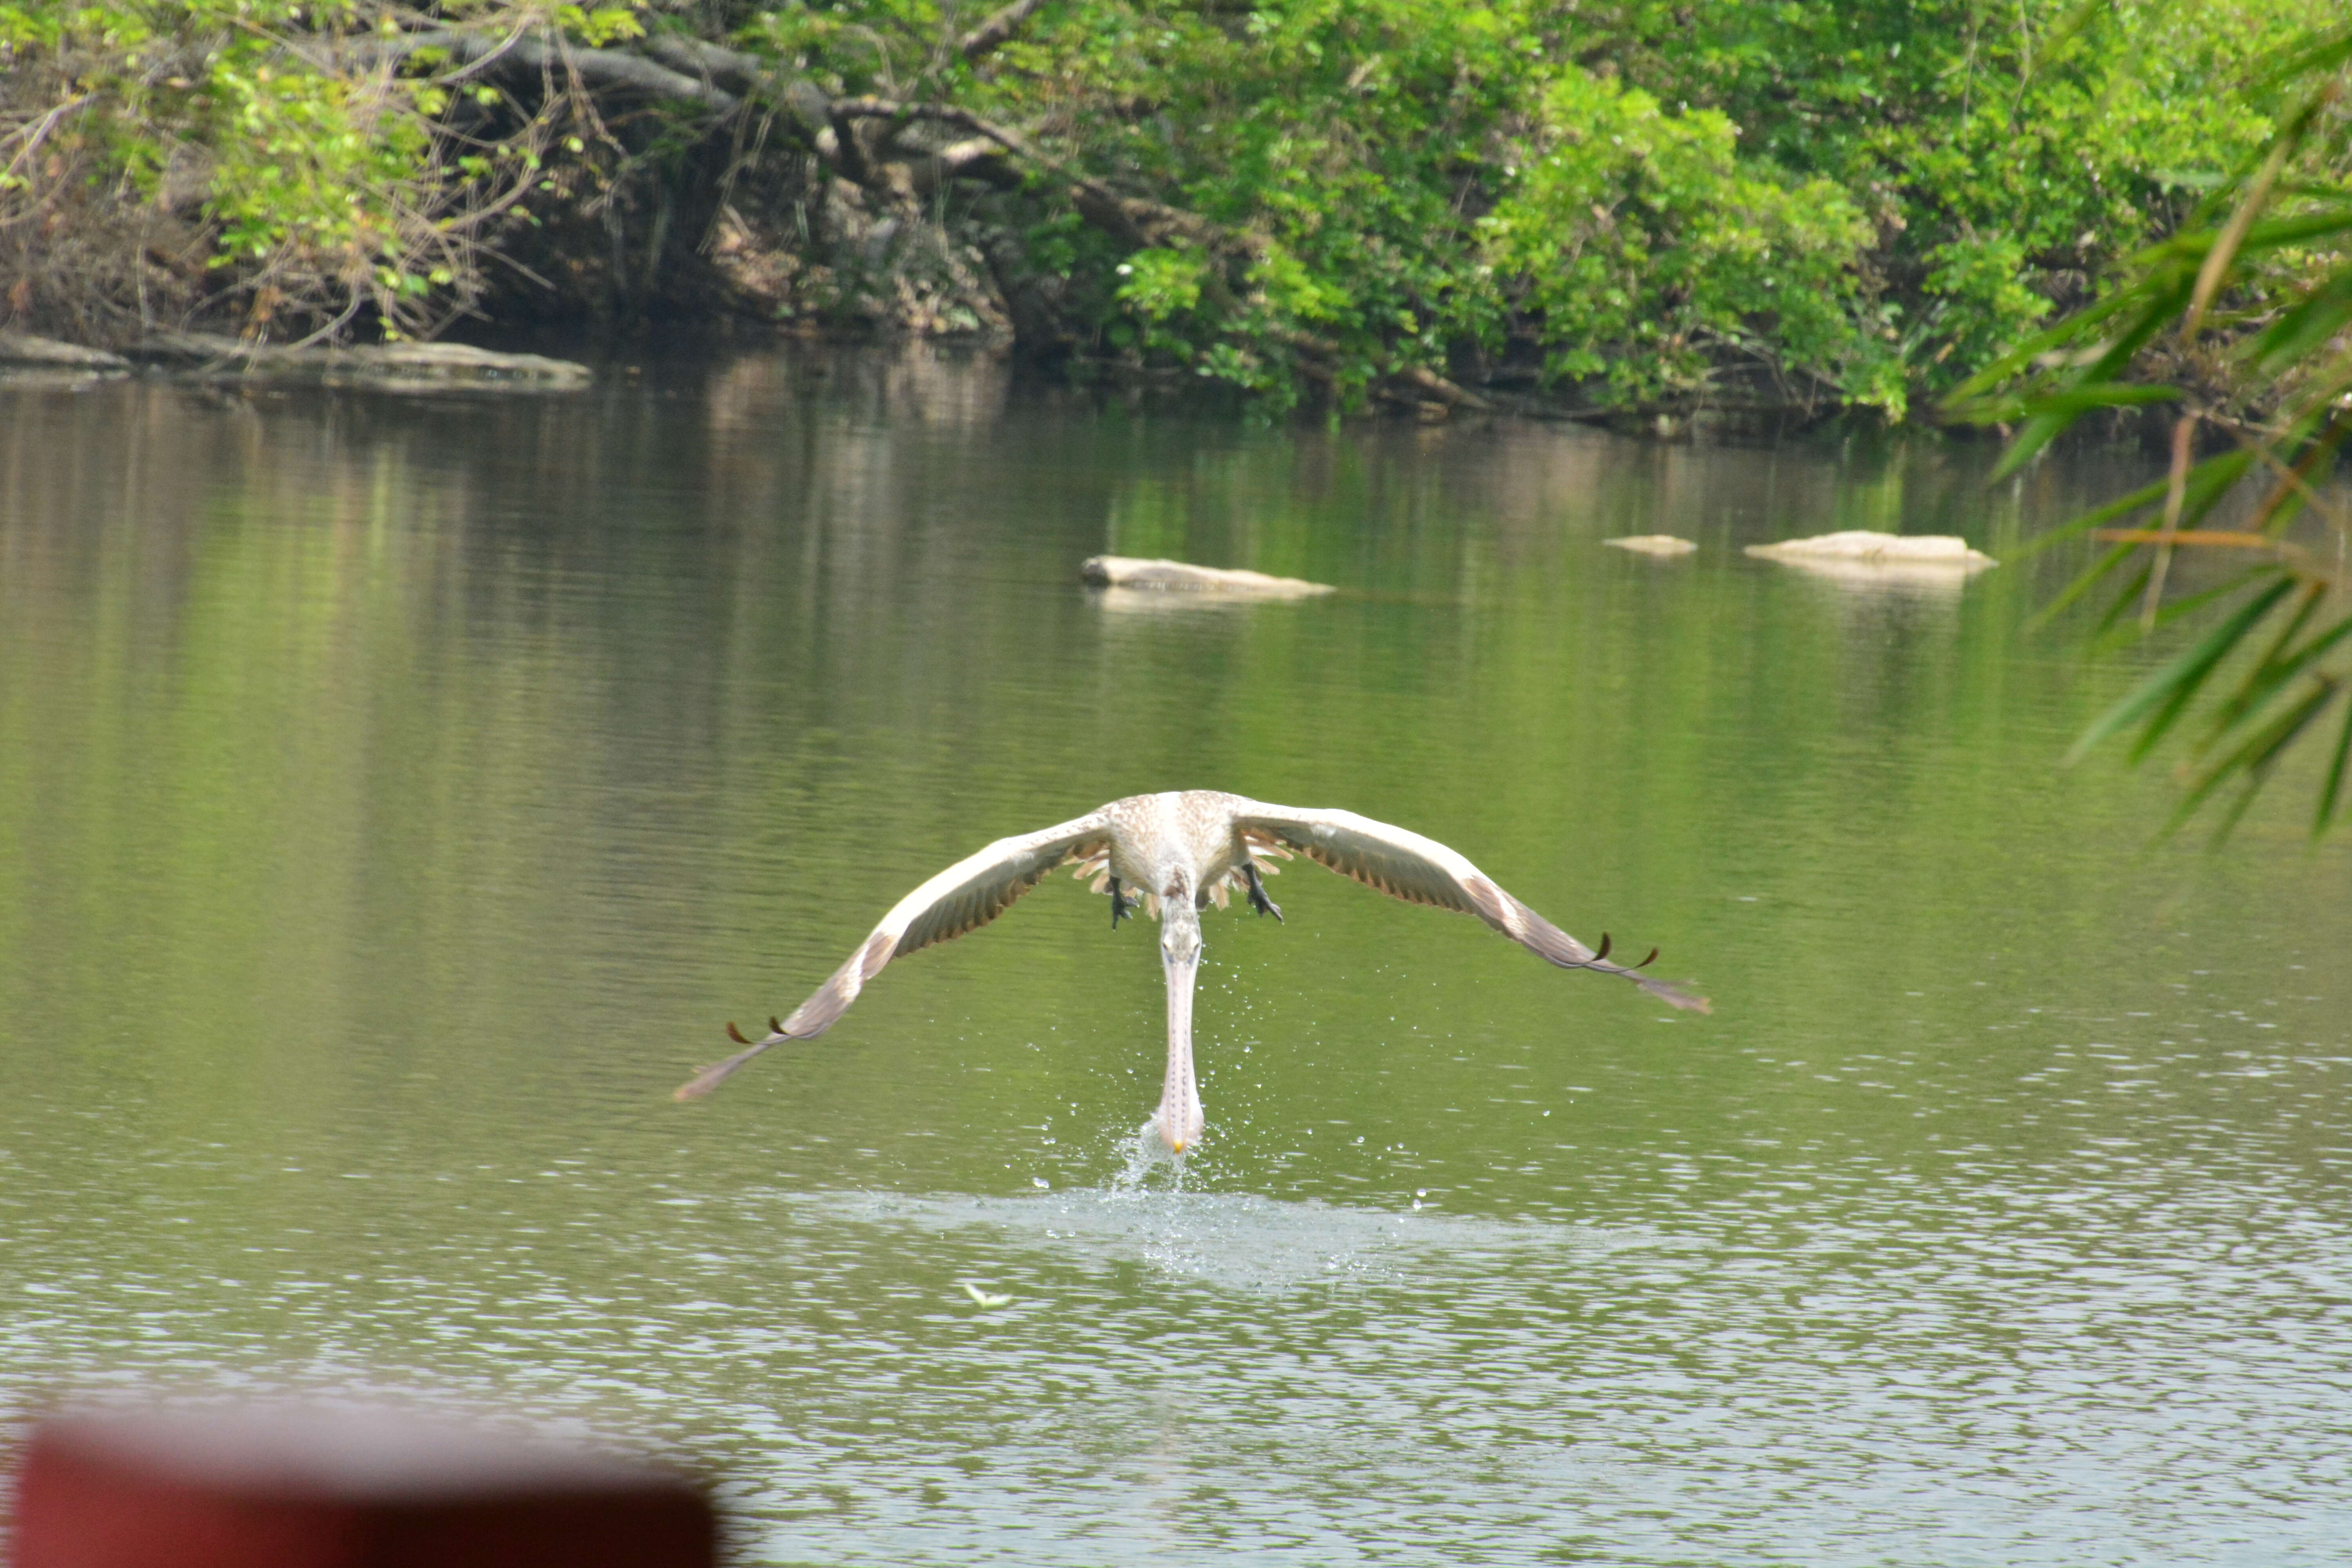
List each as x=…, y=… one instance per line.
x=328, y=1487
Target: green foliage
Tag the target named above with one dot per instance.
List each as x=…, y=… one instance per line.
x=1161, y=284
x=2247, y=311
x=298, y=156
x=1336, y=143
x=602, y=26
x=331, y=182
x=306, y=160
x=1856, y=203
x=1634, y=229
x=1867, y=199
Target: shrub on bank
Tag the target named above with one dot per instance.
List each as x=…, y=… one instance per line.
x=1625, y=205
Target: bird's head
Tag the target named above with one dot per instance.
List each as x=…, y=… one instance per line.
x=1180, y=924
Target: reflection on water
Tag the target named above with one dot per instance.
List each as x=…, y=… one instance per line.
x=1934, y=579
x=396, y=795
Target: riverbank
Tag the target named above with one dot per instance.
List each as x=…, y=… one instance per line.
x=1405, y=205
x=562, y=361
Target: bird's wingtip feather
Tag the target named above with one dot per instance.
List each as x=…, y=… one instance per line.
x=1687, y=1000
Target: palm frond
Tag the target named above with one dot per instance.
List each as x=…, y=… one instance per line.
x=2261, y=271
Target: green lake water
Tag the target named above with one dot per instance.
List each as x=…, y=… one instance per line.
x=398, y=795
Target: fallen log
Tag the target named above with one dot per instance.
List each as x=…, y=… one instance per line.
x=48, y=353
x=391, y=367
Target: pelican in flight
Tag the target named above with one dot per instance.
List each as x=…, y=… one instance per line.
x=1173, y=854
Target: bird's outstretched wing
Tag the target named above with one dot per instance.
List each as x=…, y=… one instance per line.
x=1419, y=870
x=965, y=897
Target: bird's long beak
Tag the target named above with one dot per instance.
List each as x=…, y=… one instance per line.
x=1181, y=1119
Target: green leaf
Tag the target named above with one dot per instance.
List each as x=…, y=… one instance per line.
x=2070, y=24
x=2087, y=580
x=2306, y=326
x=2331, y=788
x=2158, y=700
x=2075, y=401
x=2010, y=365
x=2268, y=674
x=2177, y=609
x=2124, y=599
x=2315, y=54
x=2216, y=266
x=2207, y=483
x=2302, y=230
x=2122, y=505
x=2052, y=413
x=2252, y=762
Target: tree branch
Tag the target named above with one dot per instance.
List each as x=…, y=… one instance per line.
x=602, y=68
x=996, y=29
x=33, y=131
x=1437, y=386
x=1132, y=220
x=738, y=72
x=695, y=70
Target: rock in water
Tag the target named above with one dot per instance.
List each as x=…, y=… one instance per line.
x=1653, y=545
x=1866, y=548
x=1180, y=577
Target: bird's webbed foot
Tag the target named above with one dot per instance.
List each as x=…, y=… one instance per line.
x=1121, y=905
x=1259, y=900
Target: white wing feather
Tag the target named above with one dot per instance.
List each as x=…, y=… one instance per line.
x=966, y=896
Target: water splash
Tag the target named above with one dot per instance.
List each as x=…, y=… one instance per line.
x=1237, y=1240
x=1147, y=1156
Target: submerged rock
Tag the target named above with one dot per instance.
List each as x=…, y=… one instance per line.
x=1652, y=544
x=1180, y=577
x=1862, y=547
